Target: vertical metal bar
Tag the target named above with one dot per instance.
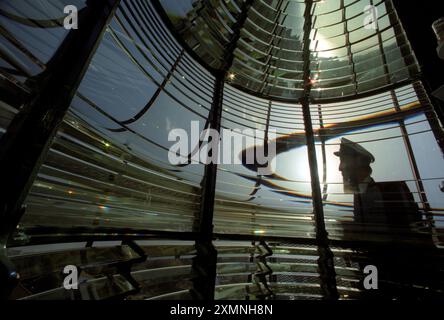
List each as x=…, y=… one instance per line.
x=415, y=170
x=205, y=263
x=391, y=11
x=430, y=115
x=325, y=262
x=24, y=146
x=324, y=156
x=267, y=127
x=204, y=223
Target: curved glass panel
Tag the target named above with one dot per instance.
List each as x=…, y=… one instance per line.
x=31, y=32
x=354, y=46
x=359, y=146
x=109, y=165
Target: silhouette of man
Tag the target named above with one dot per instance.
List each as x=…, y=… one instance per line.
x=384, y=211
x=378, y=206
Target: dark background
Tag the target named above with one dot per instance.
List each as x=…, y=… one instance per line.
x=417, y=18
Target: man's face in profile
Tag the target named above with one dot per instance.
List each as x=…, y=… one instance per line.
x=350, y=173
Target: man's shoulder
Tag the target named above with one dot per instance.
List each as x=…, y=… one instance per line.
x=392, y=186
x=396, y=191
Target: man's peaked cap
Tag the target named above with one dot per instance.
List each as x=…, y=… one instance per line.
x=351, y=148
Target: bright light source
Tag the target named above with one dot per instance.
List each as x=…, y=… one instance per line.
x=231, y=76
